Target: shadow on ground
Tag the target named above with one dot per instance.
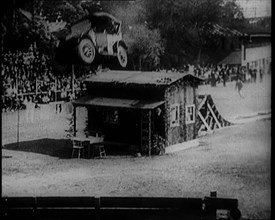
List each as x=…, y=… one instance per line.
x=61, y=148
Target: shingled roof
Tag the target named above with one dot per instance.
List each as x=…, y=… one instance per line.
x=139, y=77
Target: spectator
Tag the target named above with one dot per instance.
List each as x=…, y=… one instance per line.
x=239, y=85
x=261, y=75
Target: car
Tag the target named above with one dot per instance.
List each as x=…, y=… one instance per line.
x=97, y=35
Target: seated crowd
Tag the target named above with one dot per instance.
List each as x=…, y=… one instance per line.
x=29, y=75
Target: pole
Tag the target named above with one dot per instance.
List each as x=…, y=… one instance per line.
x=35, y=86
x=73, y=80
x=74, y=120
x=18, y=120
x=55, y=88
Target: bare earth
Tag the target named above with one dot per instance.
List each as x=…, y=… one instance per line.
x=234, y=161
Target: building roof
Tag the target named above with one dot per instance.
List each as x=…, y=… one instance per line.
x=234, y=57
x=117, y=102
x=139, y=77
x=219, y=30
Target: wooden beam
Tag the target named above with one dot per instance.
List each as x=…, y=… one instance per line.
x=74, y=118
x=72, y=80
x=214, y=116
x=150, y=131
x=204, y=122
x=202, y=102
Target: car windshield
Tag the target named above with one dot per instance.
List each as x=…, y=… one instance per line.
x=104, y=23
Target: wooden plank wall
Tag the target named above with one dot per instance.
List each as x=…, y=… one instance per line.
x=190, y=129
x=183, y=93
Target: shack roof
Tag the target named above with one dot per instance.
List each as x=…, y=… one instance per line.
x=117, y=102
x=140, y=77
x=234, y=57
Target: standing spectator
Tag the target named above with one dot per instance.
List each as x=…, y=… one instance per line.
x=251, y=75
x=255, y=75
x=223, y=76
x=239, y=85
x=261, y=75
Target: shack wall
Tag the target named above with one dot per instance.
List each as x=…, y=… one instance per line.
x=179, y=95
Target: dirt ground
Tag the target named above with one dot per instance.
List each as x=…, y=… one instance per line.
x=234, y=161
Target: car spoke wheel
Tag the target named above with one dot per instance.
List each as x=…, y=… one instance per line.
x=86, y=50
x=122, y=56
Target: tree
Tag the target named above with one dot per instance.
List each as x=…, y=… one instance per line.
x=145, y=47
x=26, y=21
x=185, y=25
x=232, y=15
x=145, y=44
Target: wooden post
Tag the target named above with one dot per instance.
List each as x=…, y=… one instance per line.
x=149, y=131
x=204, y=122
x=55, y=89
x=18, y=121
x=74, y=118
x=35, y=87
x=214, y=116
x=72, y=80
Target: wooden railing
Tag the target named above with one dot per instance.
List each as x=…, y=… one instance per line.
x=118, y=208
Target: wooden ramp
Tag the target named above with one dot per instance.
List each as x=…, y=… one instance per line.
x=208, y=115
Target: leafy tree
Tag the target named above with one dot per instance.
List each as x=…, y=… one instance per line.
x=164, y=33
x=145, y=44
x=145, y=47
x=232, y=15
x=185, y=25
x=24, y=28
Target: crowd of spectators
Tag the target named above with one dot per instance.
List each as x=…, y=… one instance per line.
x=29, y=76
x=214, y=74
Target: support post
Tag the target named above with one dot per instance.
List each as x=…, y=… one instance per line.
x=55, y=89
x=150, y=131
x=73, y=81
x=35, y=87
x=204, y=122
x=18, y=121
x=214, y=116
x=74, y=119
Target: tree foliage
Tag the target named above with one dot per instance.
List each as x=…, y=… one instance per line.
x=159, y=33
x=145, y=47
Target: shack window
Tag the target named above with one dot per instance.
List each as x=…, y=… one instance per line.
x=174, y=115
x=111, y=116
x=190, y=114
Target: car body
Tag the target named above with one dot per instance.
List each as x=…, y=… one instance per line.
x=98, y=34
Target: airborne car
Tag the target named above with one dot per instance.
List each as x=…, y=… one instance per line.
x=97, y=35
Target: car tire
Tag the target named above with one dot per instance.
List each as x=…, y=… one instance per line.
x=122, y=56
x=86, y=50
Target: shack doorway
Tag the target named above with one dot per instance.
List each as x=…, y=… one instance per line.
x=120, y=127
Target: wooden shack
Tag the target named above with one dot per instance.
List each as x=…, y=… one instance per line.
x=130, y=107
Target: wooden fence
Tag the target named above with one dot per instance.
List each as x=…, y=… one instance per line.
x=118, y=207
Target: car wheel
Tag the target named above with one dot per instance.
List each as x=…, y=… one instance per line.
x=122, y=56
x=86, y=50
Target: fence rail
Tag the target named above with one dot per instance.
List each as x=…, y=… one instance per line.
x=117, y=207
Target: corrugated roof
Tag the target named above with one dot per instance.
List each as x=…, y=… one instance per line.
x=139, y=77
x=117, y=103
x=234, y=57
